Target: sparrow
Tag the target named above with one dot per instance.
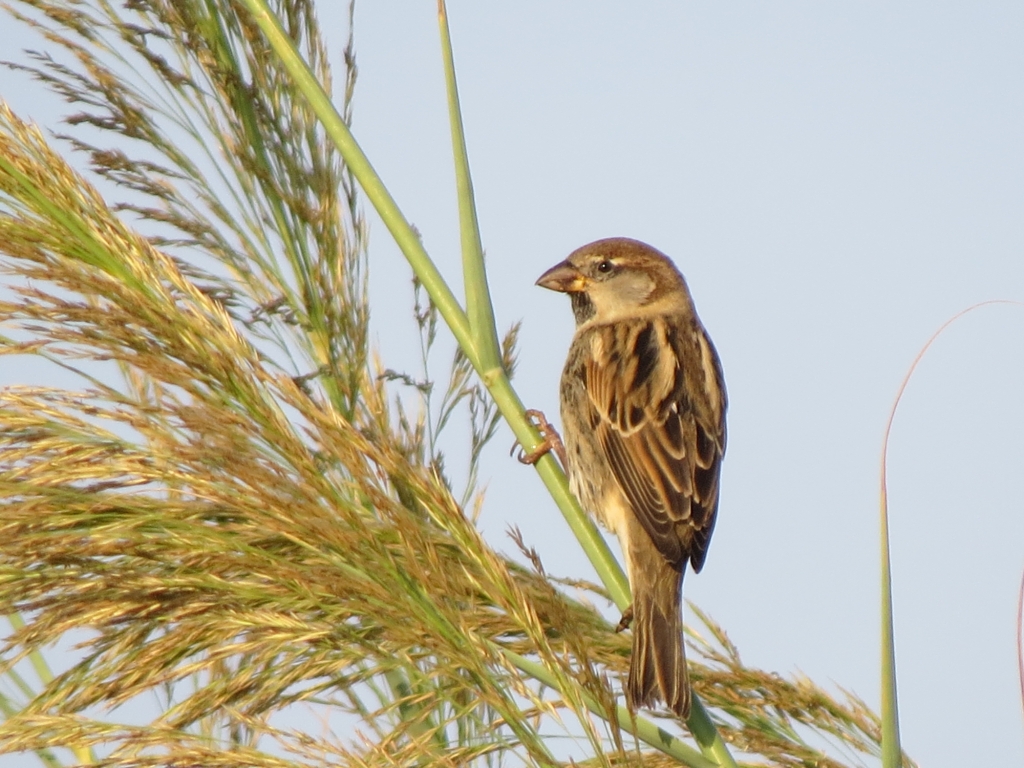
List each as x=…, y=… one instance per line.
x=643, y=406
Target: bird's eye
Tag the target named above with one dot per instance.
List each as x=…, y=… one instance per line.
x=605, y=266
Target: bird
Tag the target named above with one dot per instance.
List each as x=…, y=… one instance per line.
x=643, y=403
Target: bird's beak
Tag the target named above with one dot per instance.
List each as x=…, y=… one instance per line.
x=564, y=278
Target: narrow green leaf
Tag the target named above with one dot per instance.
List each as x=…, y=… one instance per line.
x=641, y=728
x=891, y=750
x=478, y=298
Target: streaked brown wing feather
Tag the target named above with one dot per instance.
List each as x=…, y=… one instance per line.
x=645, y=490
x=664, y=456
x=706, y=474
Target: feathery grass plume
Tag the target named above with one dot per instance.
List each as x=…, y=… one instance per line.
x=219, y=502
x=227, y=166
x=217, y=526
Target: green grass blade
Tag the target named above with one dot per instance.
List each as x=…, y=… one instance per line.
x=643, y=729
x=478, y=298
x=601, y=557
x=890, y=711
x=891, y=750
x=84, y=755
x=707, y=736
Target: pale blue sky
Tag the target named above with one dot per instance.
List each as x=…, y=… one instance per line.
x=835, y=180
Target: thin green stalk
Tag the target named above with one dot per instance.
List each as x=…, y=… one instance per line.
x=708, y=738
x=20, y=683
x=8, y=709
x=890, y=711
x=643, y=729
x=891, y=750
x=423, y=728
x=478, y=297
x=596, y=548
x=84, y=755
x=42, y=669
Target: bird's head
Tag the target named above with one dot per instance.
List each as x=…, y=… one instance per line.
x=618, y=278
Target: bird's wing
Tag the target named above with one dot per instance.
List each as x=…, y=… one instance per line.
x=661, y=427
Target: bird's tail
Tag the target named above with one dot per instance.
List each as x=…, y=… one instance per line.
x=659, y=661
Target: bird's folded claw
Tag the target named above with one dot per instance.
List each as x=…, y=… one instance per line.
x=550, y=440
x=626, y=620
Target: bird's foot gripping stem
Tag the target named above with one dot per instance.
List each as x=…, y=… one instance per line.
x=626, y=620
x=549, y=436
